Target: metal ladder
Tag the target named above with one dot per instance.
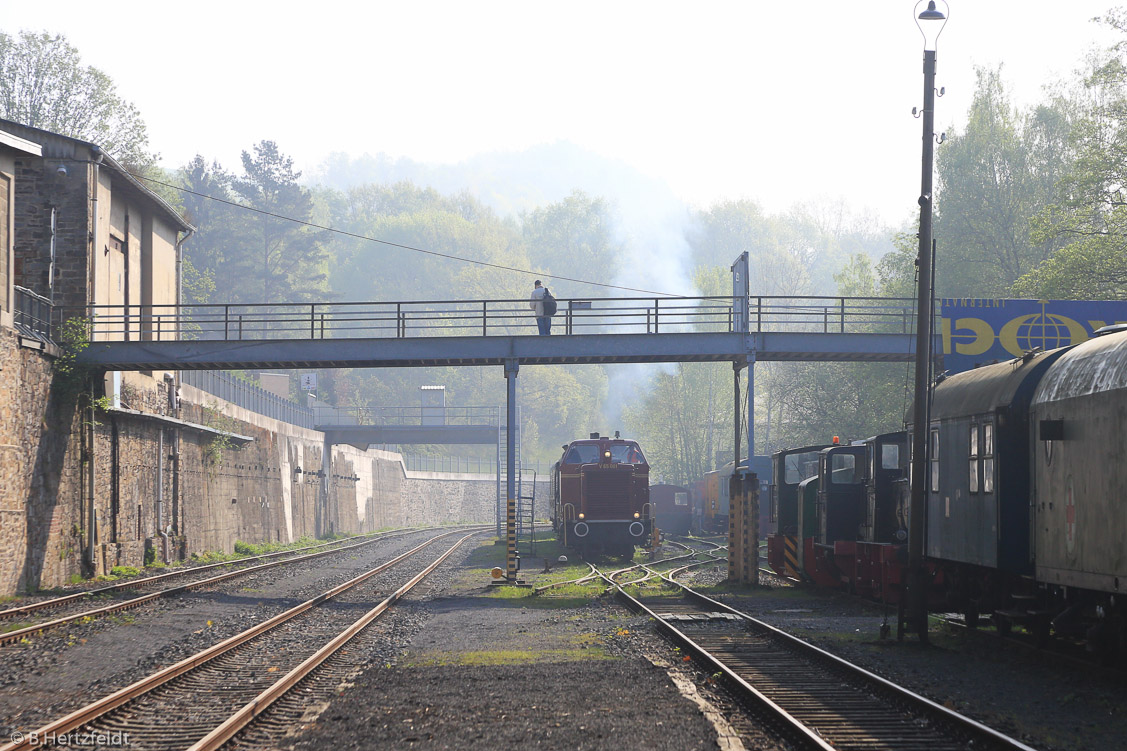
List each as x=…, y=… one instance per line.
x=502, y=481
x=526, y=510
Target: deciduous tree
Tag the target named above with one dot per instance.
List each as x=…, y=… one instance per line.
x=44, y=84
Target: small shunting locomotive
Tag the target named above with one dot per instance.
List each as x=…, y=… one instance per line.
x=601, y=496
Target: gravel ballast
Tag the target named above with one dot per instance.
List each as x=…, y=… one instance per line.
x=459, y=664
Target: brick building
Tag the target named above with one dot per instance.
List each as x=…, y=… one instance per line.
x=83, y=237
x=98, y=470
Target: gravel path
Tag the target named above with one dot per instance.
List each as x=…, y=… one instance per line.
x=476, y=670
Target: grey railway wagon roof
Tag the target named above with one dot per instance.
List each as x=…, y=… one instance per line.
x=984, y=389
x=1095, y=366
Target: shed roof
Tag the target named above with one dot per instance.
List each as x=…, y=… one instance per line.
x=20, y=144
x=58, y=146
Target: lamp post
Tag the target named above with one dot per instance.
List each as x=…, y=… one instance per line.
x=931, y=22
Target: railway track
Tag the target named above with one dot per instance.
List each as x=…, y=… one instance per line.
x=822, y=701
x=205, y=700
x=641, y=572
x=59, y=611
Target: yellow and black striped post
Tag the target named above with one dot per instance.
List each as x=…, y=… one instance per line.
x=511, y=565
x=511, y=540
x=790, y=553
x=750, y=553
x=743, y=529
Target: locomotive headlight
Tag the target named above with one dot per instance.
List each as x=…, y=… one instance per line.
x=581, y=516
x=606, y=455
x=637, y=515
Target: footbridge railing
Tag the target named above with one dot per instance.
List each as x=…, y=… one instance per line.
x=422, y=416
x=436, y=318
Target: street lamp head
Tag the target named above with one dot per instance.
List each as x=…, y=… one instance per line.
x=931, y=14
x=931, y=21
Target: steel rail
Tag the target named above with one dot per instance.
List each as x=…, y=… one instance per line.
x=805, y=734
x=31, y=607
x=586, y=577
x=594, y=574
x=921, y=703
x=17, y=634
x=244, y=716
x=96, y=709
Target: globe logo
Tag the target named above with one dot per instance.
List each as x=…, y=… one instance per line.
x=1043, y=331
x=1047, y=331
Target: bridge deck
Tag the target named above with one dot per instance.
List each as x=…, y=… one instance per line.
x=496, y=350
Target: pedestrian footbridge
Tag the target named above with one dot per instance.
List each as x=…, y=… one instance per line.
x=495, y=332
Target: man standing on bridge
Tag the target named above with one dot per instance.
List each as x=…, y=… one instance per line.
x=536, y=302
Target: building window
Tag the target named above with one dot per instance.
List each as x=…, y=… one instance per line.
x=934, y=460
x=988, y=457
x=974, y=457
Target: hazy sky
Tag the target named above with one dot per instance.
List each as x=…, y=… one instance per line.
x=779, y=102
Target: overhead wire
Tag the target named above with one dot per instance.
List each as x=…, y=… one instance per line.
x=357, y=236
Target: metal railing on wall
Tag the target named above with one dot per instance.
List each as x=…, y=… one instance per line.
x=33, y=313
x=464, y=465
x=407, y=416
x=248, y=396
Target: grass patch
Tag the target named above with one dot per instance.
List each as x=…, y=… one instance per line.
x=263, y=548
x=124, y=571
x=7, y=627
x=561, y=597
x=576, y=591
x=213, y=556
x=647, y=588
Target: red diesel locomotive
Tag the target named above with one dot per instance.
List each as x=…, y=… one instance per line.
x=601, y=496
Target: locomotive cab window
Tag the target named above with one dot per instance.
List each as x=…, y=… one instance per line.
x=626, y=455
x=843, y=469
x=934, y=460
x=793, y=473
x=973, y=457
x=988, y=457
x=680, y=499
x=890, y=456
x=583, y=454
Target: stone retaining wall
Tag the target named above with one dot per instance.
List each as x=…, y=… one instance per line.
x=41, y=521
x=159, y=466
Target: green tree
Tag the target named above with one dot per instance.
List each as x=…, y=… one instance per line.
x=573, y=238
x=209, y=250
x=281, y=260
x=992, y=180
x=685, y=414
x=1090, y=217
x=44, y=84
x=808, y=403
